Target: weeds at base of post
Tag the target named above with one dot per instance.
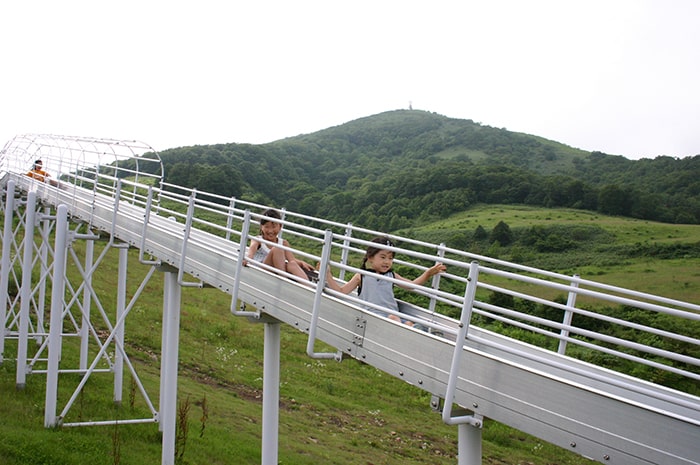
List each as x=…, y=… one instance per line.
x=182, y=429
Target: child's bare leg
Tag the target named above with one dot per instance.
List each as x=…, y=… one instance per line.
x=396, y=318
x=295, y=269
x=276, y=257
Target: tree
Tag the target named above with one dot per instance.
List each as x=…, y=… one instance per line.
x=502, y=234
x=222, y=180
x=613, y=200
x=480, y=233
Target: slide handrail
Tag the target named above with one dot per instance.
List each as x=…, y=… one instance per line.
x=224, y=216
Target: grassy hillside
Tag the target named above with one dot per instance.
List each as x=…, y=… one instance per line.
x=658, y=258
x=388, y=171
x=339, y=413
x=402, y=135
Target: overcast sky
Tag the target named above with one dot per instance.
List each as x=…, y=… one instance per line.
x=618, y=76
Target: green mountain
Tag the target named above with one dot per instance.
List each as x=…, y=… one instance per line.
x=398, y=168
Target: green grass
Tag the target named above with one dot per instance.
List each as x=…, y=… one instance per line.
x=633, y=254
x=625, y=230
x=340, y=413
x=330, y=412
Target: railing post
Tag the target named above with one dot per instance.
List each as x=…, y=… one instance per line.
x=283, y=215
x=239, y=267
x=345, y=252
x=568, y=316
x=186, y=237
x=464, y=323
x=313, y=325
x=469, y=426
x=435, y=283
x=146, y=221
x=117, y=201
x=229, y=217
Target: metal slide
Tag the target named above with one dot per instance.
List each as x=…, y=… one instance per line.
x=473, y=374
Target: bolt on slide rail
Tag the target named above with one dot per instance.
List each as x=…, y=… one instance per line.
x=538, y=324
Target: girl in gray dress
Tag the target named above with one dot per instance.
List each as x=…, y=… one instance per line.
x=376, y=290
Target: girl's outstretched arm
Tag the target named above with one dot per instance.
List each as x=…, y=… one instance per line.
x=346, y=288
x=423, y=278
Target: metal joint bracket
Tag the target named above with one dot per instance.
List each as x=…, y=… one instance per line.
x=86, y=237
x=252, y=315
x=165, y=268
x=459, y=416
x=44, y=217
x=360, y=325
x=475, y=420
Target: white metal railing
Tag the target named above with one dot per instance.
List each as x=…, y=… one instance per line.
x=586, y=300
x=574, y=330
x=70, y=156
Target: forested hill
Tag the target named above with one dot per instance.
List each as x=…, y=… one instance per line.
x=389, y=170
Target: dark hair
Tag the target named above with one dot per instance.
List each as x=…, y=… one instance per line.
x=270, y=213
x=38, y=162
x=372, y=250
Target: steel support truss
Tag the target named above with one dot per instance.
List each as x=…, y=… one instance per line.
x=43, y=252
